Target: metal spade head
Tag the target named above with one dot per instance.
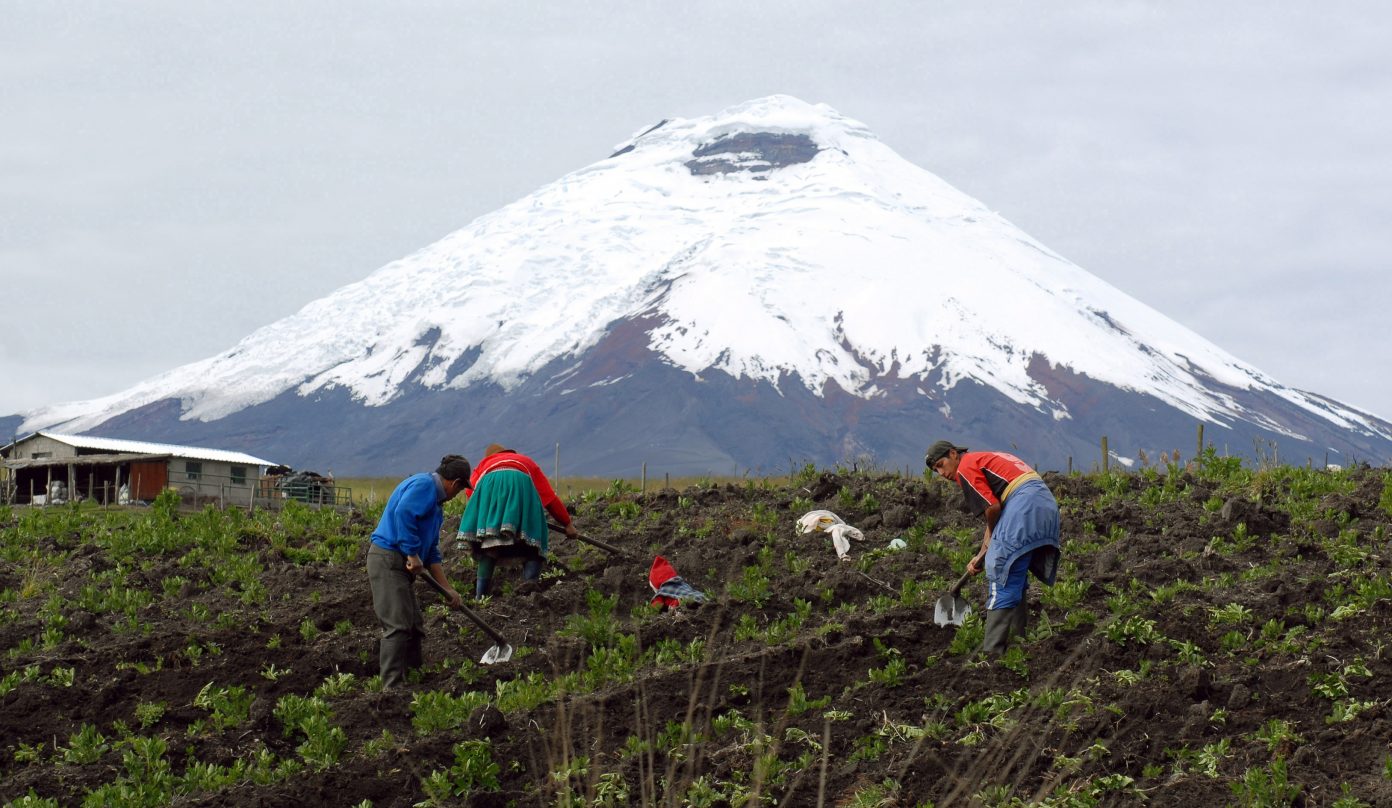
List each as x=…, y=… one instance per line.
x=496, y=654
x=951, y=611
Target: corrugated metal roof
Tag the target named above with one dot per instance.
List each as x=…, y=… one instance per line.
x=81, y=460
x=141, y=447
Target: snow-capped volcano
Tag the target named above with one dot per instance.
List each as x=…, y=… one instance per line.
x=776, y=246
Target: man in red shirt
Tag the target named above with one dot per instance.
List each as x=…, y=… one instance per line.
x=1022, y=530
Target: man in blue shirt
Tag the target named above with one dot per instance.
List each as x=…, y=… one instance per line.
x=405, y=544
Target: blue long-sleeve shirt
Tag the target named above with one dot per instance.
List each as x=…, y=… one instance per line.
x=410, y=523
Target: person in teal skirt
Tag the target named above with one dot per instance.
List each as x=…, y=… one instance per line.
x=505, y=519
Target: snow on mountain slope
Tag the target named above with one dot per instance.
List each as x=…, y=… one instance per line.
x=774, y=240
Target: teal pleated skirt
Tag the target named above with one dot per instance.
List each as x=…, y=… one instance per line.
x=504, y=510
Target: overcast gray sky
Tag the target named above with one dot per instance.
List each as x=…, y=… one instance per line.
x=174, y=175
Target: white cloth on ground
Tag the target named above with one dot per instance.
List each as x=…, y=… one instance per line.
x=831, y=524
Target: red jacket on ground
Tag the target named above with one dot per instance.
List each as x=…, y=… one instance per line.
x=662, y=571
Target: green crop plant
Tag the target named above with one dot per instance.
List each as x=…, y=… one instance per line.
x=51, y=638
x=26, y=753
x=147, y=768
x=114, y=599
x=754, y=587
x=1232, y=641
x=869, y=747
x=796, y=562
x=1133, y=630
x=1122, y=604
x=1015, y=660
x=846, y=500
x=880, y=795
x=524, y=693
x=292, y=711
x=597, y=626
x=611, y=790
x=1265, y=787
x=1232, y=614
x=623, y=509
x=1114, y=486
x=989, y=714
x=1344, y=549
x=914, y=593
x=762, y=514
x=1209, y=757
x=200, y=777
x=1065, y=593
x=1166, y=593
x=1347, y=799
x=87, y=745
x=323, y=742
x=879, y=604
x=433, y=710
x=148, y=713
x=731, y=719
x=671, y=652
x=380, y=745
x=32, y=800
x=1279, y=736
x=675, y=736
x=272, y=673
x=1188, y=653
x=336, y=685
x=798, y=703
x=968, y=636
x=473, y=771
x=892, y=673
x=228, y=706
x=1348, y=709
x=785, y=629
x=309, y=631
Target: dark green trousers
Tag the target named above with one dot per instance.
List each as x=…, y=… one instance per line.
x=394, y=601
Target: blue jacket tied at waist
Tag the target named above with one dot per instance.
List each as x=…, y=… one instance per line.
x=1029, y=521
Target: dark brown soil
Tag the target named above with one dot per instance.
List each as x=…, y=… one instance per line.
x=1278, y=567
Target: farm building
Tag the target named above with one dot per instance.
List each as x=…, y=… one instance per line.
x=47, y=467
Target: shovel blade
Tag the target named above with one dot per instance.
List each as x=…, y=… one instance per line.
x=950, y=611
x=496, y=654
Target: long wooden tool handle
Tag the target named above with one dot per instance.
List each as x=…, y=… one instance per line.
x=605, y=546
x=961, y=582
x=469, y=613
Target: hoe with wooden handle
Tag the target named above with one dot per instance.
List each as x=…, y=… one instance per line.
x=605, y=546
x=501, y=650
x=952, y=609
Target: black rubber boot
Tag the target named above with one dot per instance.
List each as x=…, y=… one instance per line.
x=998, y=624
x=393, y=658
x=1019, y=621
